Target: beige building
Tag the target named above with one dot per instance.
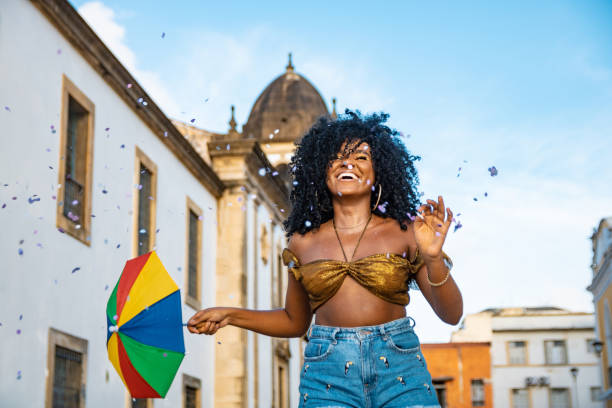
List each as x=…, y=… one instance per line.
x=601, y=287
x=99, y=174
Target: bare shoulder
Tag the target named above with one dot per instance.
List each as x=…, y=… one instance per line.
x=403, y=236
x=301, y=244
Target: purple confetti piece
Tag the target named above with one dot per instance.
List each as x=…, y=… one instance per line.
x=18, y=331
x=20, y=251
x=192, y=120
x=19, y=375
x=122, y=146
x=60, y=229
x=163, y=35
x=20, y=317
x=486, y=195
x=106, y=287
x=6, y=108
x=118, y=245
x=106, y=129
x=104, y=191
x=457, y=226
x=438, y=234
x=493, y=171
x=78, y=268
x=129, y=86
x=4, y=205
x=14, y=198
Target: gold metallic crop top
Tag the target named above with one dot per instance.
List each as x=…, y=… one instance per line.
x=385, y=275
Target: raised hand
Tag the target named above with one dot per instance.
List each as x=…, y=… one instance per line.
x=208, y=321
x=431, y=227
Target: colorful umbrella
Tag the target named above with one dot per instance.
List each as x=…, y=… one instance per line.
x=145, y=332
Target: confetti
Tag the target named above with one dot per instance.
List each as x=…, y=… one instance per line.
x=18, y=331
x=78, y=268
x=19, y=375
x=6, y=108
x=475, y=199
x=52, y=129
x=4, y=205
x=486, y=194
x=192, y=120
x=118, y=245
x=105, y=287
x=275, y=173
x=262, y=172
x=163, y=35
x=143, y=231
x=295, y=183
x=276, y=131
x=20, y=317
x=339, y=193
x=493, y=171
x=129, y=86
x=104, y=191
x=307, y=224
x=457, y=226
x=20, y=251
x=33, y=199
x=122, y=146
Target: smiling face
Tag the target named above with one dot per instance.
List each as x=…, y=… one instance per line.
x=352, y=172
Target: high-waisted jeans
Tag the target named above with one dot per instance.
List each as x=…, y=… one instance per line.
x=371, y=366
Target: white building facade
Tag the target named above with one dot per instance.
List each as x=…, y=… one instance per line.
x=93, y=174
x=540, y=357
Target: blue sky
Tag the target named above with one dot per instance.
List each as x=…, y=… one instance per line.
x=524, y=86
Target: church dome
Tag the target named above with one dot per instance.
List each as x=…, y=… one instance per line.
x=290, y=104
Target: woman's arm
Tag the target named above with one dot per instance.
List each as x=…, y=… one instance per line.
x=446, y=299
x=291, y=321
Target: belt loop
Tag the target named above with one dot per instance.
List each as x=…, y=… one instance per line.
x=309, y=333
x=383, y=332
x=412, y=322
x=333, y=335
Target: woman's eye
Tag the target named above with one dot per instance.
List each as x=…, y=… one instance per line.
x=362, y=158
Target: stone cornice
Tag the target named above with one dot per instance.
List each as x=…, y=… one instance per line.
x=249, y=151
x=78, y=33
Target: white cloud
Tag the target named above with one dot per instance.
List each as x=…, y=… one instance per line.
x=103, y=21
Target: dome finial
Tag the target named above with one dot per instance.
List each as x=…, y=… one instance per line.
x=232, y=122
x=334, y=115
x=290, y=64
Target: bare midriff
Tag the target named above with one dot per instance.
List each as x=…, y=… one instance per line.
x=354, y=306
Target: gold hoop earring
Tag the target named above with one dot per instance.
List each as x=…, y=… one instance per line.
x=378, y=200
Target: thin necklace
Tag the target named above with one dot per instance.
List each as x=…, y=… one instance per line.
x=358, y=241
x=352, y=226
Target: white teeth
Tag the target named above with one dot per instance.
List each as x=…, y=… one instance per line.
x=347, y=174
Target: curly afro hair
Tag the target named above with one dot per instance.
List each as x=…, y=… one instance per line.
x=393, y=166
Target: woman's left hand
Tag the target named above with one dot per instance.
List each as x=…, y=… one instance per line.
x=430, y=227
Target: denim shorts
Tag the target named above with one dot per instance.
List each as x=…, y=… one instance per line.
x=371, y=366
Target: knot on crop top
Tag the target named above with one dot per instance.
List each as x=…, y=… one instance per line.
x=385, y=275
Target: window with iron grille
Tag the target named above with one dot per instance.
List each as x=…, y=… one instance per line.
x=517, y=352
x=140, y=403
x=144, y=210
x=520, y=398
x=478, y=394
x=67, y=378
x=559, y=398
x=556, y=351
x=595, y=393
x=75, y=166
x=191, y=391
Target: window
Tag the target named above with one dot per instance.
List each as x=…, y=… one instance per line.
x=145, y=197
x=556, y=352
x=478, y=395
x=75, y=165
x=520, y=398
x=590, y=346
x=517, y=352
x=280, y=387
x=140, y=403
x=440, y=387
x=193, y=272
x=67, y=363
x=191, y=392
x=595, y=393
x=559, y=398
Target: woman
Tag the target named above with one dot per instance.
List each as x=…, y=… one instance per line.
x=357, y=241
